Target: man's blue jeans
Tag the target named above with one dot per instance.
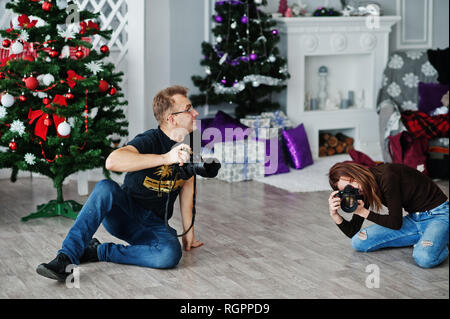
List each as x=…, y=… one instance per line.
x=151, y=244
x=426, y=231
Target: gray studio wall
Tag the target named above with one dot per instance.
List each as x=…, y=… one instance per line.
x=186, y=36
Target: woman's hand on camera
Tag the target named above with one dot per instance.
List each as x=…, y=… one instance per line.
x=179, y=154
x=334, y=203
x=361, y=211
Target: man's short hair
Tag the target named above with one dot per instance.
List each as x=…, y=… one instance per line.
x=163, y=101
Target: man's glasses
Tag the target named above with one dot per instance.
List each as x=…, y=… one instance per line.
x=188, y=110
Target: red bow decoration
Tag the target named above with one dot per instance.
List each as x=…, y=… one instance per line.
x=72, y=78
x=40, y=128
x=25, y=22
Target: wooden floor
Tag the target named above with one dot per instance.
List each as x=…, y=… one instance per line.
x=260, y=242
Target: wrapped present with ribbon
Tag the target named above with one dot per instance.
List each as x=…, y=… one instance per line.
x=241, y=160
x=240, y=172
x=260, y=127
x=266, y=133
x=278, y=119
x=256, y=122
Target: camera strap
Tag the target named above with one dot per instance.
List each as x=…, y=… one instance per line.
x=166, y=214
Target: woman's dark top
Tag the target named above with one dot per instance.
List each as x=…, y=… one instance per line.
x=400, y=187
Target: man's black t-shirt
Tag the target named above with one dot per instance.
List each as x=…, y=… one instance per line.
x=150, y=187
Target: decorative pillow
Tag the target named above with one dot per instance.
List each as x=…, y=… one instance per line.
x=430, y=95
x=298, y=146
x=224, y=123
x=276, y=163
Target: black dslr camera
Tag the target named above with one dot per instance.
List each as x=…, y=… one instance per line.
x=197, y=166
x=349, y=198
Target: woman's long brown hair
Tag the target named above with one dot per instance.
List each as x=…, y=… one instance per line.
x=360, y=174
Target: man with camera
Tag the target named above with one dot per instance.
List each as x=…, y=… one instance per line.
x=134, y=212
x=397, y=187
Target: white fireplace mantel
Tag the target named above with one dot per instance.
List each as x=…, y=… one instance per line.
x=355, y=51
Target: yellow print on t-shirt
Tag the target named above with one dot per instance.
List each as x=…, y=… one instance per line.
x=160, y=185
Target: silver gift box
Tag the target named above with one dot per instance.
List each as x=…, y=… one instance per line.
x=241, y=172
x=241, y=160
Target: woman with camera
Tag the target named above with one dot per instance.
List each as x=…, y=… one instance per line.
x=398, y=187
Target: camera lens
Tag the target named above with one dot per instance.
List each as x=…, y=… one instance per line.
x=349, y=199
x=209, y=170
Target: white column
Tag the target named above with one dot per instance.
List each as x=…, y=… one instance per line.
x=136, y=71
x=157, y=55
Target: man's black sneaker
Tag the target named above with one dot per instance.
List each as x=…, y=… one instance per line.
x=90, y=253
x=56, y=269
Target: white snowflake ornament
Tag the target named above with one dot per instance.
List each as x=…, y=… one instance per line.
x=24, y=35
x=67, y=34
x=30, y=159
x=18, y=127
x=95, y=67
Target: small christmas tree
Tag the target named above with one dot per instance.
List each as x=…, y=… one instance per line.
x=243, y=66
x=60, y=104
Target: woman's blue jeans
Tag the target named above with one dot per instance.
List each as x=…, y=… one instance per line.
x=426, y=231
x=150, y=243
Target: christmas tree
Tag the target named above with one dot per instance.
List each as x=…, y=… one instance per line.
x=243, y=66
x=60, y=104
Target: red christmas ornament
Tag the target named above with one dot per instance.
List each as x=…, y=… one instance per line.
x=22, y=98
x=31, y=83
x=47, y=6
x=6, y=43
x=113, y=91
x=79, y=54
x=12, y=146
x=104, y=49
x=47, y=121
x=53, y=53
x=2, y=75
x=46, y=101
x=69, y=96
x=103, y=86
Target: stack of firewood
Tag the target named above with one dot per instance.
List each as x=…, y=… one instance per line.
x=330, y=144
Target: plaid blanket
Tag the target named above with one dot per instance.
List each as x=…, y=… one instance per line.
x=420, y=124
